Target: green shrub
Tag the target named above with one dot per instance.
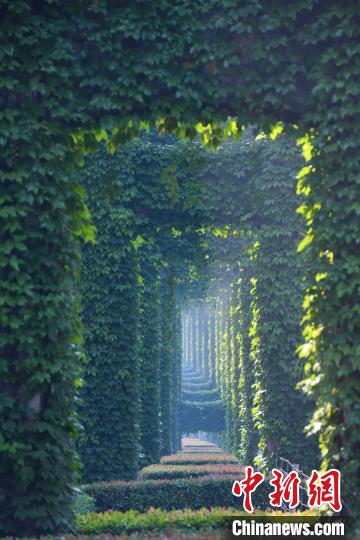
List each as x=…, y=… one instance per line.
x=205, y=492
x=84, y=503
x=198, y=458
x=157, y=472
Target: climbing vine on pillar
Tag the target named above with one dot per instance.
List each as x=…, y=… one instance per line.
x=109, y=445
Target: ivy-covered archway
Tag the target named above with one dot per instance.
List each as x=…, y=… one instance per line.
x=182, y=232
x=72, y=71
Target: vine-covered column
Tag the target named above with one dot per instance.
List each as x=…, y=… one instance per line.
x=205, y=342
x=248, y=433
x=41, y=215
x=150, y=329
x=184, y=340
x=109, y=445
x=212, y=341
x=189, y=339
x=218, y=337
x=167, y=357
x=234, y=371
x=332, y=321
x=194, y=338
x=200, y=337
x=225, y=356
x=176, y=377
x=281, y=411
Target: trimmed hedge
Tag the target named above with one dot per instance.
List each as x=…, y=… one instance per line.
x=191, y=442
x=202, y=415
x=200, y=395
x=201, y=450
x=194, y=379
x=194, y=386
x=158, y=472
x=198, y=458
x=154, y=520
x=206, y=492
x=215, y=405
x=190, y=371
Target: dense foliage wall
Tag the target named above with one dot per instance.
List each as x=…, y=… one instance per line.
x=63, y=69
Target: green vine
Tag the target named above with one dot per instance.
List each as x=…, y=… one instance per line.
x=75, y=73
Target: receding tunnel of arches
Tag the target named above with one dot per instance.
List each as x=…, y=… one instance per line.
x=195, y=263
x=192, y=302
